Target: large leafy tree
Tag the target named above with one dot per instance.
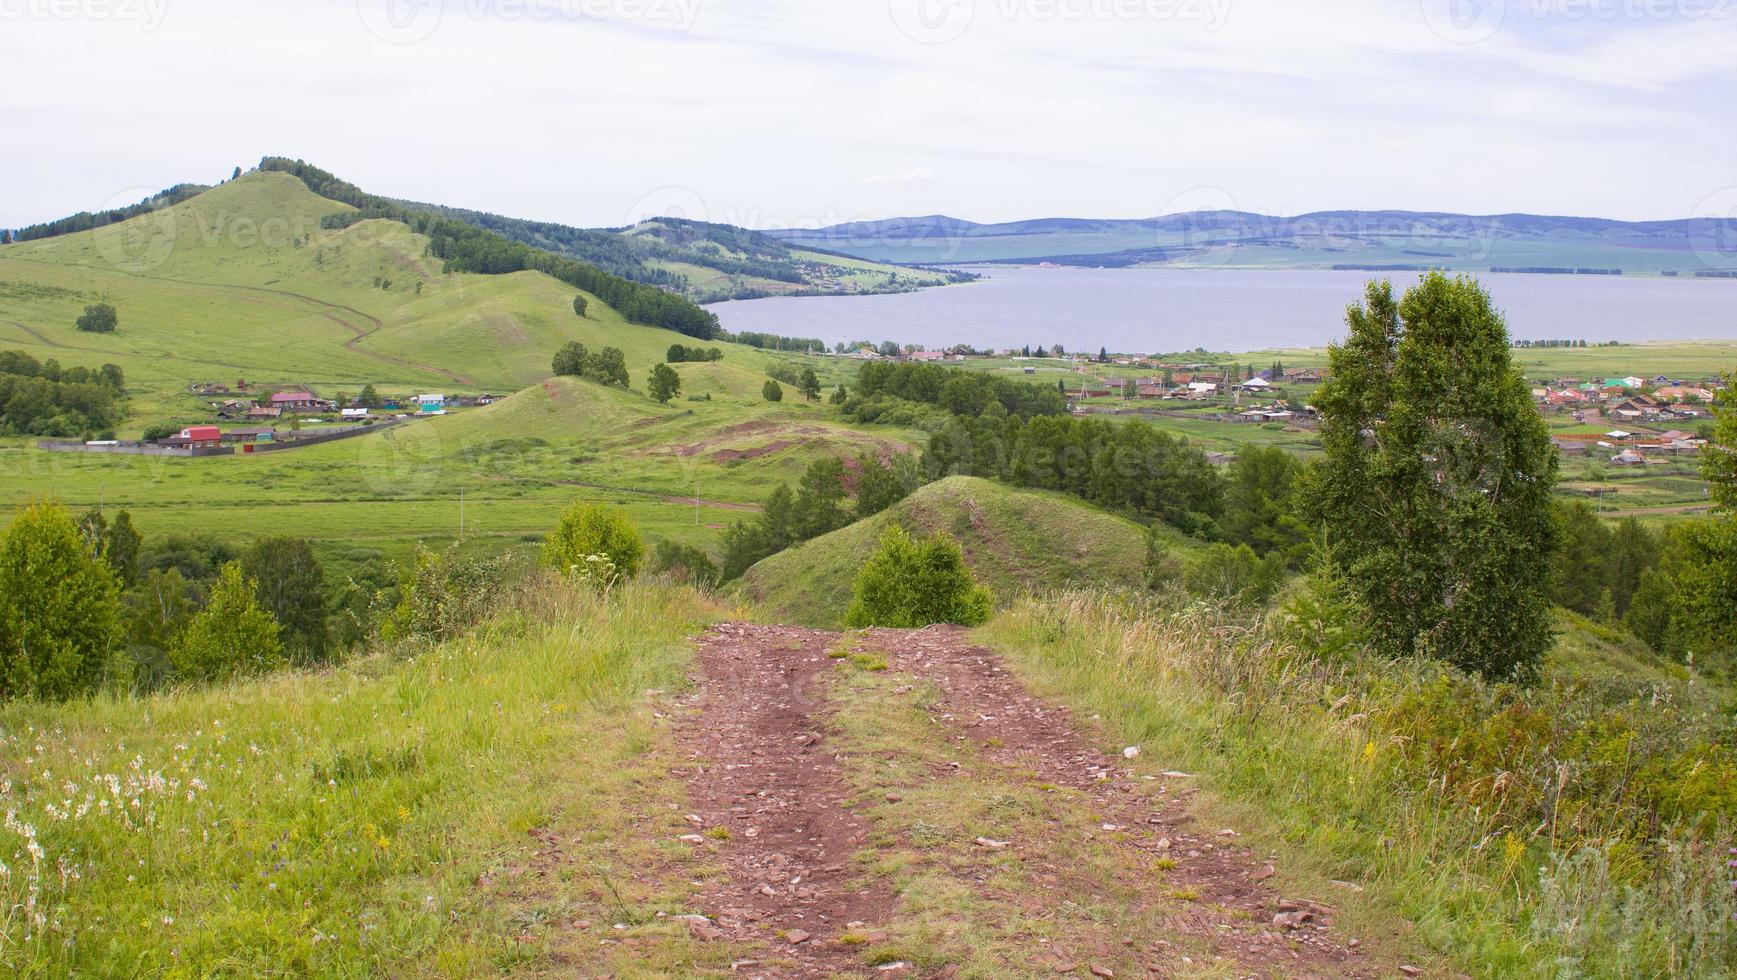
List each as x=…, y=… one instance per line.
x=59, y=608
x=1435, y=487
x=291, y=585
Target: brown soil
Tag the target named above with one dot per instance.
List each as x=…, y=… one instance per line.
x=764, y=771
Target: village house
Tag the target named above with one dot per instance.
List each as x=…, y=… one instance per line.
x=262, y=412
x=195, y=437
x=296, y=401
x=431, y=404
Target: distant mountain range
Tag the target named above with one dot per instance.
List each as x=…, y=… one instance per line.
x=1369, y=240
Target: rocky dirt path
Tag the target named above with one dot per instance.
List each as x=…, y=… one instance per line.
x=839, y=780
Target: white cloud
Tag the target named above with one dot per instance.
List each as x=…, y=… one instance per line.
x=788, y=112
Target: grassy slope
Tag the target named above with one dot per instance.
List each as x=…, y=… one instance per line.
x=1015, y=541
x=364, y=820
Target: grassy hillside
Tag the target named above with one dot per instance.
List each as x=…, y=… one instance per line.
x=1016, y=541
x=241, y=282
x=361, y=820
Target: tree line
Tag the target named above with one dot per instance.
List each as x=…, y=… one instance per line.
x=86, y=220
x=86, y=605
x=467, y=248
x=45, y=399
x=955, y=390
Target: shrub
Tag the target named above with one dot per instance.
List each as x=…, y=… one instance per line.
x=438, y=597
x=911, y=583
x=579, y=305
x=232, y=635
x=686, y=561
x=59, y=608
x=771, y=391
x=1235, y=574
x=589, y=532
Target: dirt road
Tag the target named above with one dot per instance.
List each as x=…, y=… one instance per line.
x=897, y=803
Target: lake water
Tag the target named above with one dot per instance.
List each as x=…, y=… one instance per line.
x=1158, y=310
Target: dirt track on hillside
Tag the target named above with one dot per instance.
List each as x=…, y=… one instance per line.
x=769, y=792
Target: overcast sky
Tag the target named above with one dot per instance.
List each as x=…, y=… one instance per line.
x=775, y=113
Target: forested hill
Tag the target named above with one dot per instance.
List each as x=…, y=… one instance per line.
x=1375, y=240
x=467, y=248
x=704, y=261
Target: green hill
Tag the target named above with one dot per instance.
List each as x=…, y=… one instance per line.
x=1016, y=541
x=704, y=261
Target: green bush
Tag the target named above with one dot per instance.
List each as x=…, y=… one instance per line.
x=438, y=597
x=232, y=635
x=686, y=561
x=911, y=583
x=59, y=608
x=595, y=542
x=99, y=318
x=1235, y=575
x=771, y=391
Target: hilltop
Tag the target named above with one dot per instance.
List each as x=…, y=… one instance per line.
x=1363, y=240
x=1015, y=541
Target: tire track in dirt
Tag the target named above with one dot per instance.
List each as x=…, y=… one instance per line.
x=772, y=801
x=34, y=333
x=765, y=775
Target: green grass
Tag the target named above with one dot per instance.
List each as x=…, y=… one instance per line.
x=1015, y=542
x=367, y=819
x=1381, y=775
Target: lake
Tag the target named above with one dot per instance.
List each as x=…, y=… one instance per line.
x=1158, y=310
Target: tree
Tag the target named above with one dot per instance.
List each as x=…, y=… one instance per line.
x=609, y=367
x=888, y=348
x=6, y=236
x=840, y=395
x=1582, y=574
x=664, y=383
x=1259, y=504
x=570, y=360
x=231, y=636
x=99, y=318
x=594, y=543
x=911, y=583
x=819, y=505
x=236, y=174
x=1434, y=490
x=291, y=585
x=1103, y=355
x=121, y=549
x=877, y=487
x=1719, y=463
x=579, y=305
x=1634, y=549
x=59, y=608
x=810, y=384
x=771, y=391
x=156, y=612
x=369, y=398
